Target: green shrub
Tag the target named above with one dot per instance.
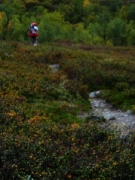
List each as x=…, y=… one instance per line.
x=52, y=27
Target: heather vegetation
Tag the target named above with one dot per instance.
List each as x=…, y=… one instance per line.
x=41, y=134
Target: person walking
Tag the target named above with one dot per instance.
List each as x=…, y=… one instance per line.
x=33, y=33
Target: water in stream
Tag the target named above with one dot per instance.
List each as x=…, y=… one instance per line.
x=125, y=121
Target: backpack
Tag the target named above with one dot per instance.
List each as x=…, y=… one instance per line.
x=33, y=30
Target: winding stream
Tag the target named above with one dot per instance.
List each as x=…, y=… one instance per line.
x=123, y=121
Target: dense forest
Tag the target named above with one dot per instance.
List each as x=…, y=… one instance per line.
x=93, y=22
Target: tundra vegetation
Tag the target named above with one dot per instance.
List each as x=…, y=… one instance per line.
x=41, y=135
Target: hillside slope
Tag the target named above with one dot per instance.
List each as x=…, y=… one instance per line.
x=41, y=136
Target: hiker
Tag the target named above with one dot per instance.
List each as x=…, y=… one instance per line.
x=33, y=33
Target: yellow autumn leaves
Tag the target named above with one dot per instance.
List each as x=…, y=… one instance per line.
x=2, y=19
x=86, y=2
x=11, y=113
x=36, y=119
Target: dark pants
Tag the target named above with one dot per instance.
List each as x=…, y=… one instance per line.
x=34, y=40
